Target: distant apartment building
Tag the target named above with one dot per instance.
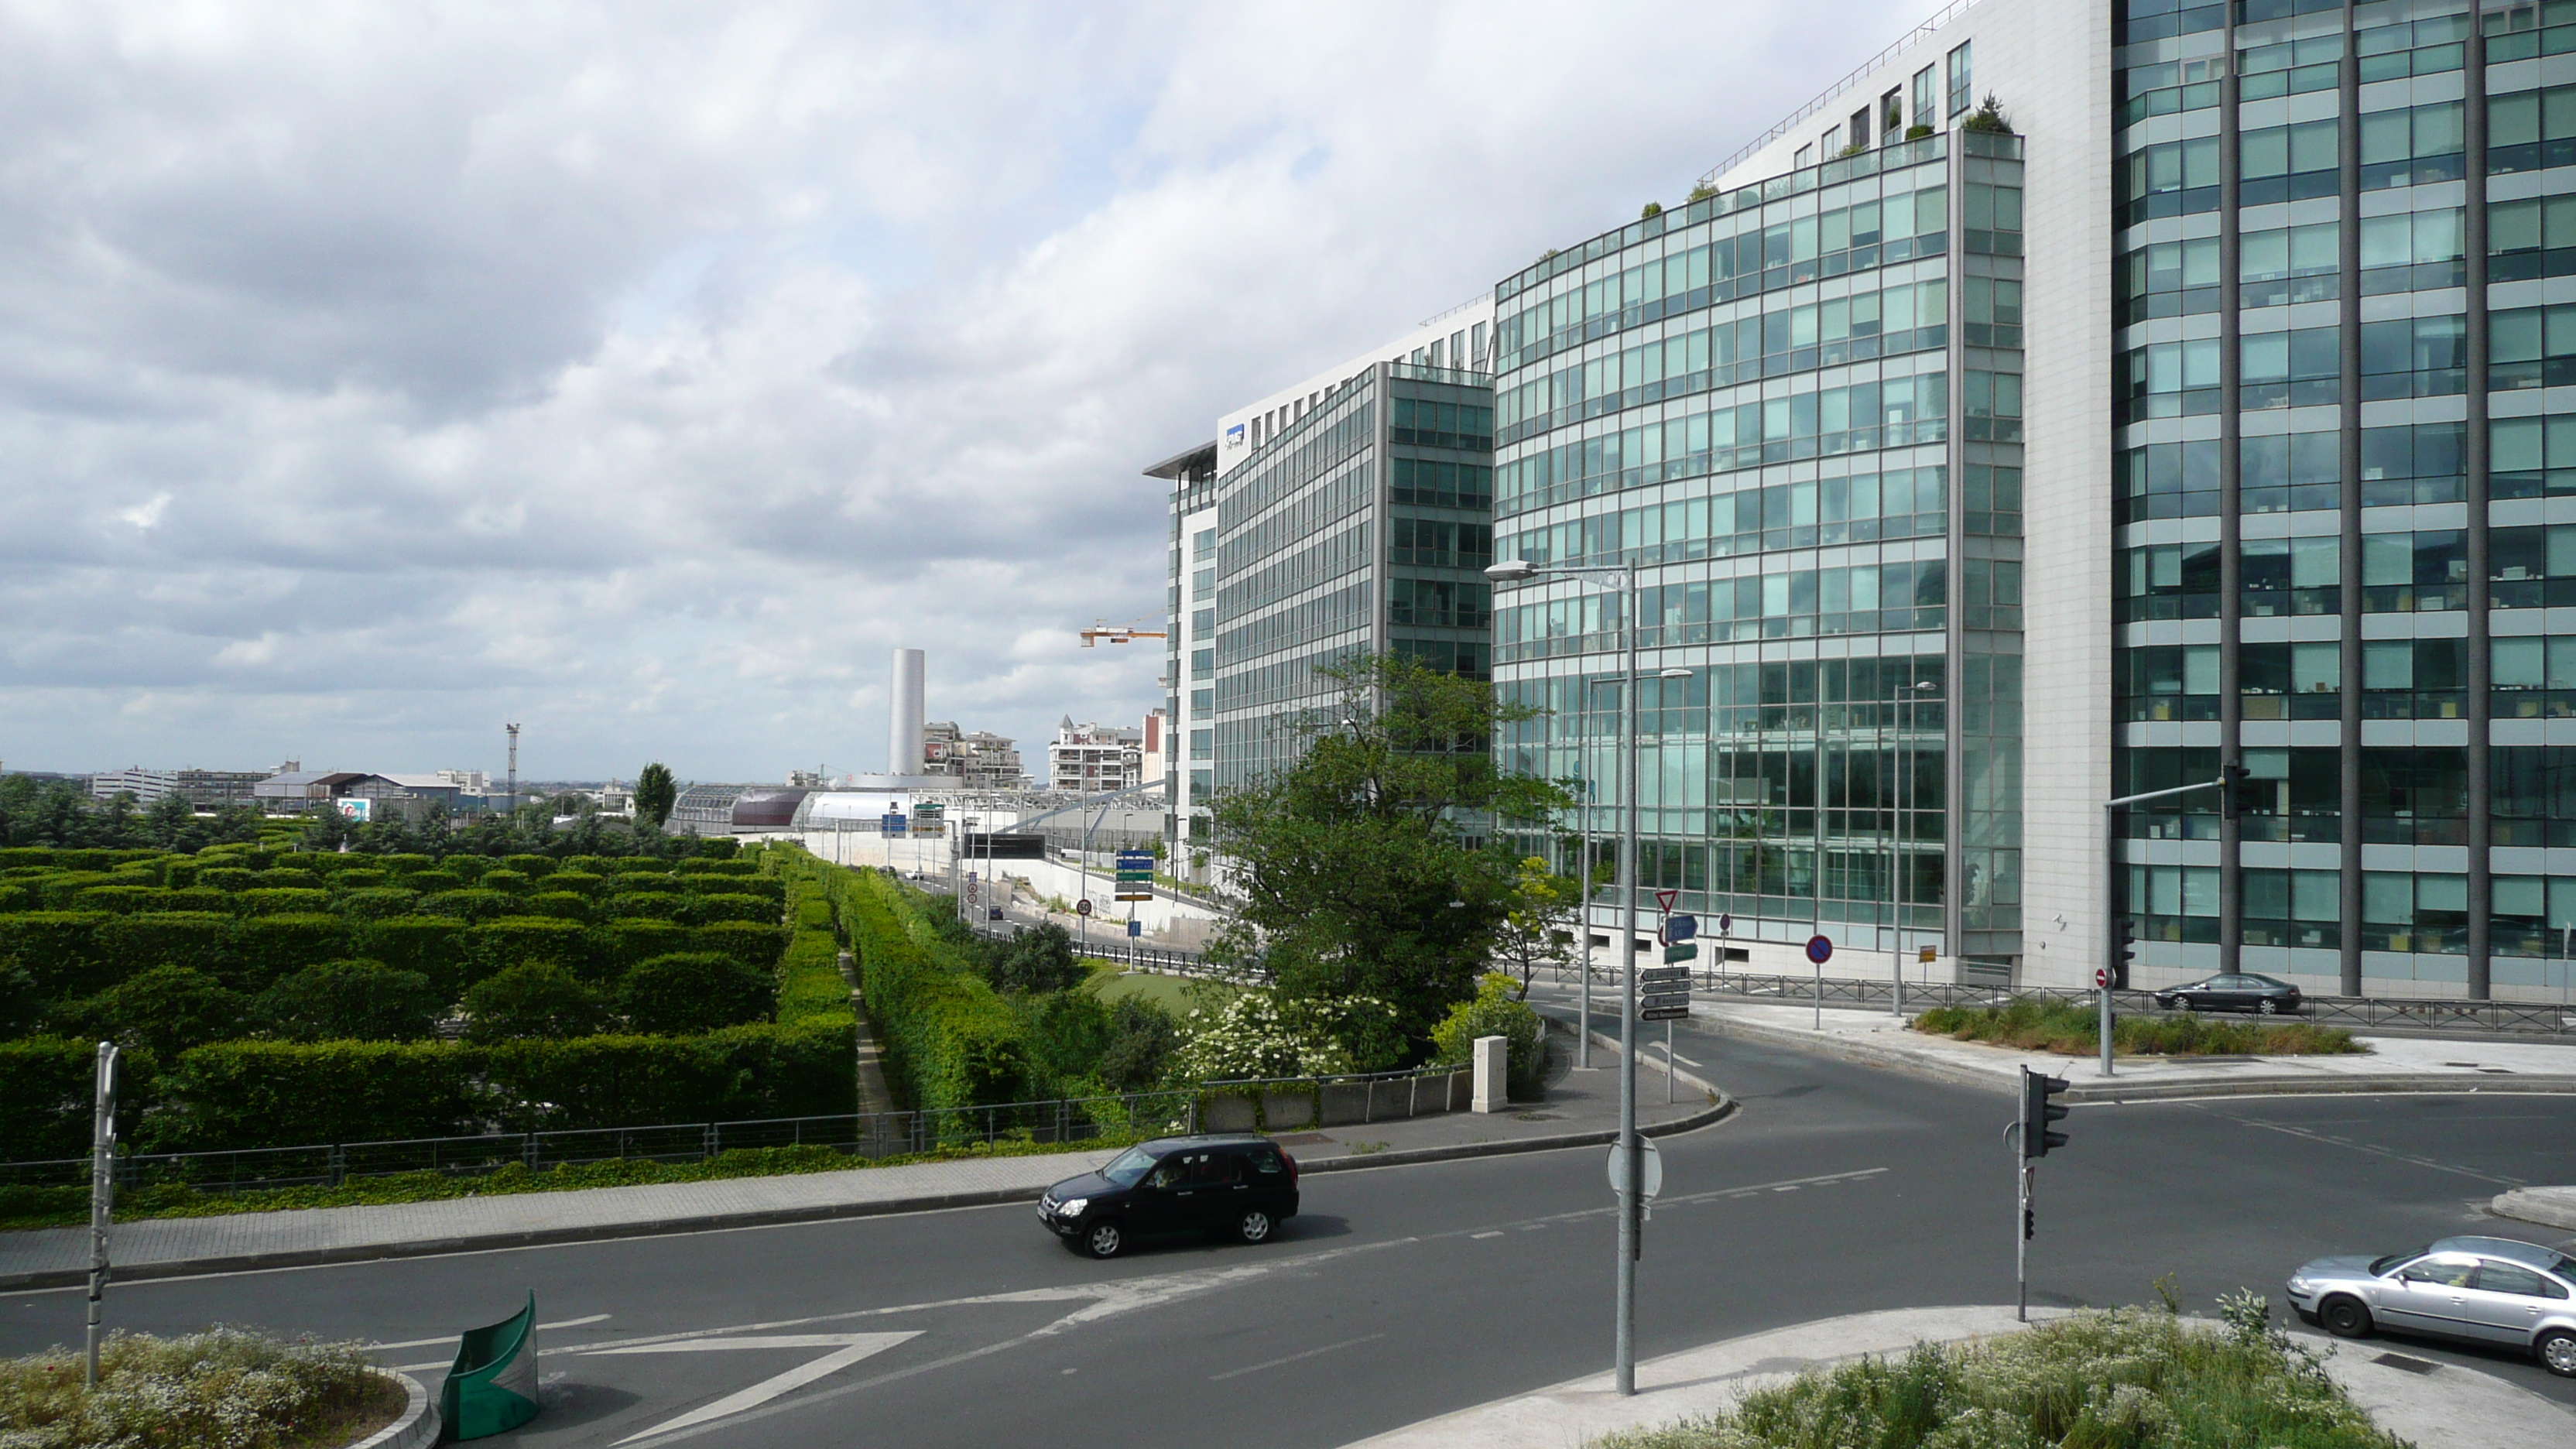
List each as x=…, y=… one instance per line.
x=1349, y=514
x=1090, y=759
x=202, y=789
x=981, y=760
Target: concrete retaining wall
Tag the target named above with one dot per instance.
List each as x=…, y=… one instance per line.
x=1287, y=1106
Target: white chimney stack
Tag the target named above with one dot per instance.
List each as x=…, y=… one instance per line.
x=904, y=714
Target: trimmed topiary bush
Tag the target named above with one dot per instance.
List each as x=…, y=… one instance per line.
x=282, y=901
x=434, y=946
x=693, y=991
x=535, y=999
x=165, y=1011
x=351, y=1000
x=199, y=940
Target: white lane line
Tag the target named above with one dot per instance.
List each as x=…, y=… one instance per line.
x=451, y=1338
x=847, y=1349
x=1496, y=1233
x=1292, y=1358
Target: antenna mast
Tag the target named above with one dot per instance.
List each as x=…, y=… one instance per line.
x=514, y=767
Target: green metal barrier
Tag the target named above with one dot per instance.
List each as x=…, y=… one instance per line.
x=492, y=1387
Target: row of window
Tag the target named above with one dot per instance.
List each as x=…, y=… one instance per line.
x=2411, y=796
x=2279, y=473
x=1306, y=514
x=2528, y=567
x=1311, y=565
x=1431, y=424
x=1864, y=508
x=1864, y=599
x=1904, y=318
x=1890, y=413
x=1314, y=452
x=1440, y=483
x=2425, y=914
x=2400, y=679
x=1443, y=603
x=1338, y=612
x=1854, y=238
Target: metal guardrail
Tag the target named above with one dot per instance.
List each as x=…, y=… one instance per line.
x=2538, y=1018
x=868, y=1135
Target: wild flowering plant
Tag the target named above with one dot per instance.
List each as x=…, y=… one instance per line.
x=1257, y=1035
x=226, y=1388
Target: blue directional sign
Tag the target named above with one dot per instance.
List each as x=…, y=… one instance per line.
x=891, y=824
x=1135, y=929
x=1678, y=929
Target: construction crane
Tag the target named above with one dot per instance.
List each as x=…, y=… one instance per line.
x=1100, y=629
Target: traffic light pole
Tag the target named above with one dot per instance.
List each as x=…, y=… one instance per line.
x=2112, y=917
x=2030, y=1139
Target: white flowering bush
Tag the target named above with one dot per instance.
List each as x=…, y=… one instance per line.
x=1258, y=1035
x=227, y=1388
x=2127, y=1379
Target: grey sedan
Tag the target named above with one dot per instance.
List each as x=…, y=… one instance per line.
x=2484, y=1290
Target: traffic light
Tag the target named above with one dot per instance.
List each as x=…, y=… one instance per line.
x=2232, y=790
x=2029, y=1220
x=2038, y=1110
x=2127, y=954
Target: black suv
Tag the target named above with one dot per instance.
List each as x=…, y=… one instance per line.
x=1238, y=1184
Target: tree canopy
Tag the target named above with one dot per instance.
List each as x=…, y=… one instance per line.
x=655, y=793
x=1364, y=867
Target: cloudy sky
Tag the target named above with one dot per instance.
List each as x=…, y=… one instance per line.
x=373, y=374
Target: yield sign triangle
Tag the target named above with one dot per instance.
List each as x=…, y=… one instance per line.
x=845, y=1350
x=1665, y=899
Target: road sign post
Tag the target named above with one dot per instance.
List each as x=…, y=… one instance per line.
x=1820, y=949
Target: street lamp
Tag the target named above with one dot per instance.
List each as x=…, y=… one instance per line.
x=1632, y=1197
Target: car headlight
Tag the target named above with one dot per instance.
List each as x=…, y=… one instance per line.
x=1073, y=1206
x=2299, y=1284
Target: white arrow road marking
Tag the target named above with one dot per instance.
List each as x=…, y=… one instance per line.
x=451, y=1338
x=847, y=1349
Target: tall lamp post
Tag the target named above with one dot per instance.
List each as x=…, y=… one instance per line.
x=1632, y=1156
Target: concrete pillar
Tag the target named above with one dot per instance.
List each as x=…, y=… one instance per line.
x=1493, y=1060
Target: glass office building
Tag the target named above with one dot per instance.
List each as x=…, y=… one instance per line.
x=2209, y=417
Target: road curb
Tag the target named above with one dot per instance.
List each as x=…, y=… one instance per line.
x=415, y=1427
x=2556, y=1210
x=2096, y=1093
x=1723, y=1108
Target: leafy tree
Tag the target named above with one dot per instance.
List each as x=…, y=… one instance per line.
x=655, y=793
x=355, y=1000
x=693, y=991
x=165, y=1010
x=1360, y=867
x=533, y=999
x=1037, y=960
x=1142, y=1038
x=1538, y=928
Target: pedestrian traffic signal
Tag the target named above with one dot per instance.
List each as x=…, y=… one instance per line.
x=2038, y=1109
x=2127, y=954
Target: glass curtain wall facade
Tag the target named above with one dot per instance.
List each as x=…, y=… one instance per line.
x=1189, y=655
x=2345, y=484
x=1798, y=406
x=1363, y=526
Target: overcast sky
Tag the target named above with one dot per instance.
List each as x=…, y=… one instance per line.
x=373, y=374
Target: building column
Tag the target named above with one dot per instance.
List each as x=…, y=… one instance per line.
x=2348, y=553
x=2473, y=241
x=2231, y=526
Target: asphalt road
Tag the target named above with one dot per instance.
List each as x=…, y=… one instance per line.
x=1405, y=1292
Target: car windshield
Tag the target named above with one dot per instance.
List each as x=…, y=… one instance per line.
x=2382, y=1265
x=1129, y=1167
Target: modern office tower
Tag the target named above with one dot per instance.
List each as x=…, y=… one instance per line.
x=2191, y=407
x=1350, y=513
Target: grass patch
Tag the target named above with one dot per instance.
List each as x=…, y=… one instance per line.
x=23, y=1207
x=1175, y=994
x=2049, y=1024
x=2131, y=1377
x=227, y=1388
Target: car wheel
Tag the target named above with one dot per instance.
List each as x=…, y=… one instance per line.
x=2344, y=1317
x=2265, y=1007
x=1103, y=1240
x=1254, y=1226
x=2557, y=1350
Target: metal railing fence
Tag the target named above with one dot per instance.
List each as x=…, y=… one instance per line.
x=870, y=1135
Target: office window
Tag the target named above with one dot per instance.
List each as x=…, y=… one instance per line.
x=1961, y=82
x=1833, y=142
x=1923, y=96
x=1438, y=355
x=1806, y=157
x=1891, y=115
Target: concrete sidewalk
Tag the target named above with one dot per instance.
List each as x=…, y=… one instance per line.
x=2432, y=1404
x=2393, y=1064
x=1581, y=1108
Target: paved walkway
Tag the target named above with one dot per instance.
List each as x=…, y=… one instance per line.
x=1581, y=1106
x=2435, y=1405
x=2392, y=1063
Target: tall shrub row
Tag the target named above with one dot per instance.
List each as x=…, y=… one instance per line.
x=948, y=1038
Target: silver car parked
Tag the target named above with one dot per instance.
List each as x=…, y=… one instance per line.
x=2484, y=1290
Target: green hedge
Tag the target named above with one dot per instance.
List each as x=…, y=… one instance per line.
x=375, y=903
x=198, y=940
x=276, y=1094
x=265, y=948
x=282, y=900
x=706, y=910
x=750, y=942
x=638, y=905
x=951, y=1041
x=624, y=943
x=58, y=949
x=47, y=1087
x=497, y=945
x=124, y=900
x=62, y=890
x=579, y=882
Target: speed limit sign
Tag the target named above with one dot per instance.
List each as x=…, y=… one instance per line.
x=1082, y=907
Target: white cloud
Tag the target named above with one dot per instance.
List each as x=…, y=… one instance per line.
x=645, y=374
